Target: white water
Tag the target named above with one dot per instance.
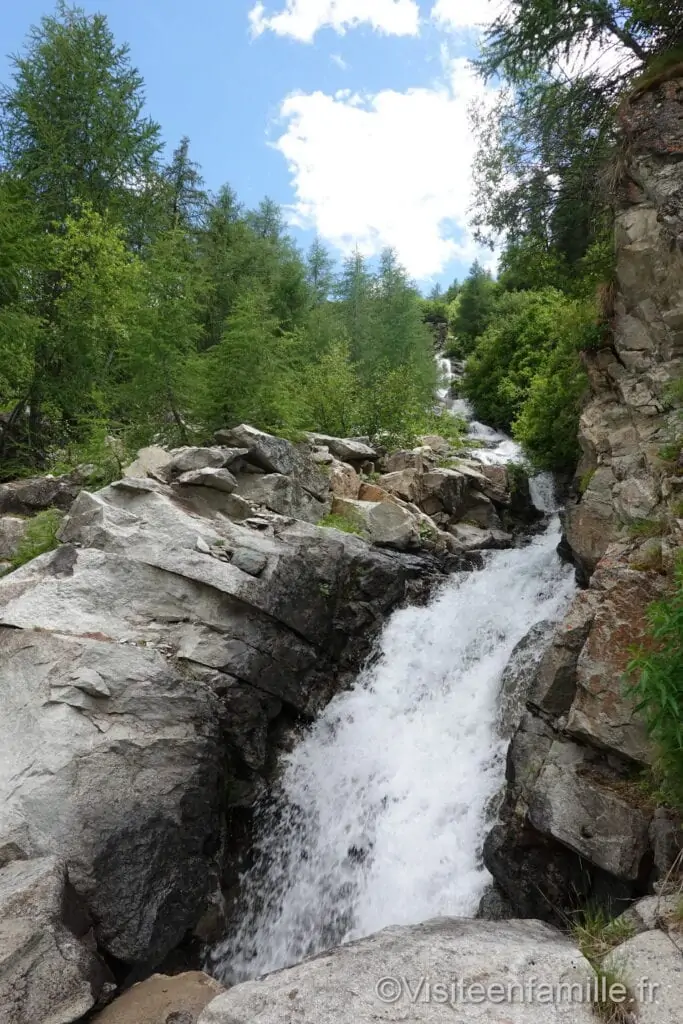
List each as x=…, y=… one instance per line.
x=383, y=804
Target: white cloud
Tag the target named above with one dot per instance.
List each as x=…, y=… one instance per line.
x=301, y=19
x=461, y=14
x=391, y=169
x=337, y=59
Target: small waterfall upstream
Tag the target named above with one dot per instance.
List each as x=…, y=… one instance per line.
x=382, y=807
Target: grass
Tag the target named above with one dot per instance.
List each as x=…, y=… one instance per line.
x=647, y=528
x=346, y=524
x=585, y=480
x=40, y=536
x=596, y=935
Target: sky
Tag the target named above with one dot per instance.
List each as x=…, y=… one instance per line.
x=352, y=114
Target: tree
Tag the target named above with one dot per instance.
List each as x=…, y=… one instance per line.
x=72, y=126
x=333, y=392
x=183, y=182
x=319, y=272
x=475, y=305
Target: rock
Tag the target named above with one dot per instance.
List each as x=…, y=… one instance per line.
x=284, y=495
x=578, y=809
x=346, y=449
x=188, y=460
x=601, y=713
x=553, y=685
x=346, y=985
x=651, y=958
x=473, y=538
x=405, y=484
x=46, y=972
x=136, y=484
x=252, y=562
x=34, y=494
x=651, y=912
x=480, y=511
x=270, y=453
x=162, y=1000
x=384, y=523
x=494, y=905
x=422, y=459
x=443, y=490
x=371, y=492
x=519, y=674
x=12, y=530
x=436, y=443
x=140, y=683
x=153, y=461
x=666, y=839
x=344, y=481
x=218, y=479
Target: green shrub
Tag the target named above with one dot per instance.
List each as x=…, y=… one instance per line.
x=656, y=682
x=40, y=536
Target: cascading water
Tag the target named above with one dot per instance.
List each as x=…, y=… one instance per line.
x=382, y=808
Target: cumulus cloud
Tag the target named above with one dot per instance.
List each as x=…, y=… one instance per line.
x=301, y=19
x=462, y=14
x=389, y=169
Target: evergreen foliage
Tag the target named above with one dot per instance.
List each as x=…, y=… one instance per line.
x=136, y=306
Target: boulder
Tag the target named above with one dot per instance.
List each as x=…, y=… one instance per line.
x=188, y=460
x=218, y=479
x=345, y=448
x=579, y=808
x=344, y=481
x=480, y=511
x=446, y=969
x=153, y=462
x=12, y=530
x=282, y=494
x=602, y=713
x=443, y=490
x=422, y=459
x=270, y=453
x=405, y=484
x=436, y=443
x=651, y=912
x=141, y=676
x=384, y=523
x=49, y=971
x=652, y=967
x=162, y=1000
x=33, y=494
x=372, y=492
x=473, y=538
x=553, y=685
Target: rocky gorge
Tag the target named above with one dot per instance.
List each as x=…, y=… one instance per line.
x=195, y=619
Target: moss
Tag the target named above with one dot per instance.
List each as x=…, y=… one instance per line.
x=647, y=528
x=662, y=68
x=347, y=524
x=584, y=482
x=40, y=536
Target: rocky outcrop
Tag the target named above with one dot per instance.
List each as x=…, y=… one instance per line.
x=149, y=666
x=443, y=969
x=576, y=823
x=626, y=472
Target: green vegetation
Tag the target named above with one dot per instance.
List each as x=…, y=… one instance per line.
x=40, y=536
x=541, y=183
x=135, y=305
x=656, y=683
x=596, y=935
x=347, y=524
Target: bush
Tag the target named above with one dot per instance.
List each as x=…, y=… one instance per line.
x=40, y=536
x=656, y=674
x=346, y=524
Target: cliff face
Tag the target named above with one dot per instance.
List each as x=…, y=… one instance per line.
x=576, y=824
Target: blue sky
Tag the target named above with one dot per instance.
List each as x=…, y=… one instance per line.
x=350, y=113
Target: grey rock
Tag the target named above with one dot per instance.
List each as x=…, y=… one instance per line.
x=252, y=562
x=341, y=987
x=519, y=674
x=382, y=522
x=578, y=809
x=218, y=479
x=47, y=974
x=651, y=956
x=187, y=460
x=153, y=462
x=345, y=448
x=282, y=494
x=474, y=538
x=651, y=912
x=273, y=454
x=34, y=494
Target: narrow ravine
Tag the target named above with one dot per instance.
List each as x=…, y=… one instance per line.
x=381, y=809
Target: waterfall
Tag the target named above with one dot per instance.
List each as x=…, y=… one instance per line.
x=382, y=807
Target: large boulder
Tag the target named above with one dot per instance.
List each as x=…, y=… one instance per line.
x=48, y=969
x=282, y=494
x=345, y=448
x=446, y=969
x=270, y=453
x=145, y=663
x=33, y=494
x=382, y=522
